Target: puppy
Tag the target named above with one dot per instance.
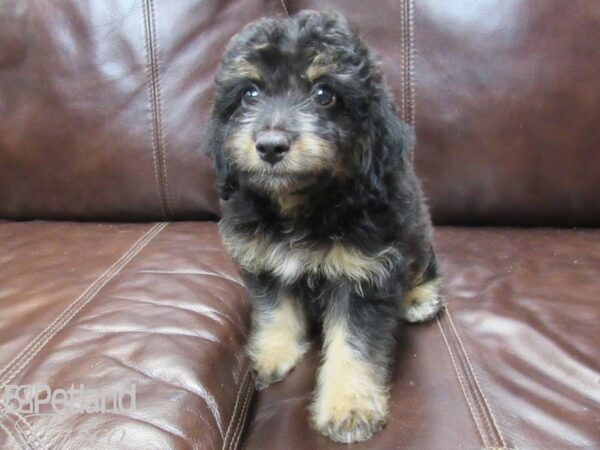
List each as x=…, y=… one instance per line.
x=321, y=210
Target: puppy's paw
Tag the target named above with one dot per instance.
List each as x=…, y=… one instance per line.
x=355, y=421
x=423, y=302
x=273, y=364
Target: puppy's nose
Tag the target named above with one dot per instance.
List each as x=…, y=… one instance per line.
x=272, y=145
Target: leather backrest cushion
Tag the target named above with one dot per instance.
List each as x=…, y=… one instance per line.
x=508, y=110
x=102, y=104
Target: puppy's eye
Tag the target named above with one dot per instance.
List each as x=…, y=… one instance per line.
x=323, y=95
x=250, y=95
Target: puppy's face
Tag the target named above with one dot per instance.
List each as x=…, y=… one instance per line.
x=293, y=98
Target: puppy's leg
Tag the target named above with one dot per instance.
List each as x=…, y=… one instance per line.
x=352, y=394
x=424, y=300
x=278, y=338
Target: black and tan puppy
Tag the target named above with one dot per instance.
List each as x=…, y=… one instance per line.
x=321, y=210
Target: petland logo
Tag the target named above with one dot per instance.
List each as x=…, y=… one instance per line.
x=40, y=399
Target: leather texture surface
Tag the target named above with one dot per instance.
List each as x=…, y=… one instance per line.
x=508, y=96
x=107, y=306
x=513, y=363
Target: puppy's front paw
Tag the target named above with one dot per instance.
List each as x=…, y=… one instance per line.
x=277, y=341
x=353, y=420
x=423, y=302
x=272, y=363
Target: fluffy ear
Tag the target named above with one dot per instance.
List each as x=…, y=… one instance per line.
x=394, y=137
x=387, y=139
x=227, y=179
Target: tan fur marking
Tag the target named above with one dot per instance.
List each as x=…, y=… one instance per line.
x=243, y=68
x=289, y=203
x=321, y=65
x=289, y=262
x=347, y=385
x=242, y=146
x=278, y=341
x=310, y=153
x=315, y=72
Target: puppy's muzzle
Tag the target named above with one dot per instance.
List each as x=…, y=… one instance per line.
x=272, y=145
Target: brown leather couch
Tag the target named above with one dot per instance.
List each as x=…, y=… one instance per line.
x=122, y=280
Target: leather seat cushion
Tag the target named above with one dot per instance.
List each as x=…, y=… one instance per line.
x=160, y=306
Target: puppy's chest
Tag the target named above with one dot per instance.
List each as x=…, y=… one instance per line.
x=290, y=259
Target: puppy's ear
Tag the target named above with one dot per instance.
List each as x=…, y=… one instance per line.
x=227, y=179
x=388, y=139
x=226, y=176
x=398, y=137
x=391, y=134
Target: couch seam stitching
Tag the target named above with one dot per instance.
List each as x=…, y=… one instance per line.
x=462, y=385
x=8, y=433
x=403, y=47
x=153, y=81
x=407, y=91
x=476, y=382
x=20, y=361
x=405, y=31
x=150, y=98
x=411, y=61
x=229, y=434
x=36, y=442
x=235, y=406
x=473, y=390
x=162, y=146
x=243, y=415
x=283, y=5
x=247, y=403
